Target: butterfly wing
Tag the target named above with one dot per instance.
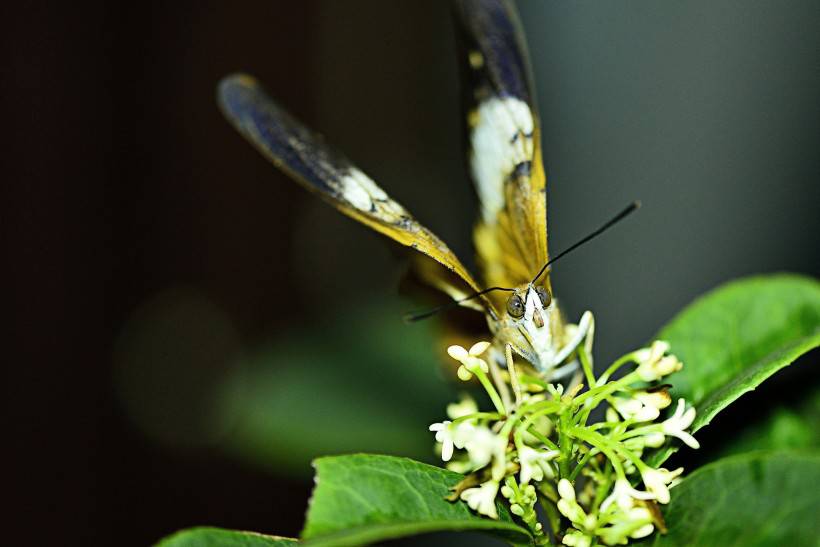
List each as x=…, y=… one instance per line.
x=304, y=155
x=504, y=143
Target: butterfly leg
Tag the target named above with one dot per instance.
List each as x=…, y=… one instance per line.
x=562, y=372
x=586, y=326
x=585, y=333
x=516, y=385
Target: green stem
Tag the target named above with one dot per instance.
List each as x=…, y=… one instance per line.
x=543, y=408
x=533, y=380
x=586, y=365
x=582, y=463
x=604, y=378
x=601, y=492
x=601, y=443
x=490, y=389
x=605, y=390
x=479, y=416
x=639, y=431
x=532, y=431
x=565, y=444
x=592, y=398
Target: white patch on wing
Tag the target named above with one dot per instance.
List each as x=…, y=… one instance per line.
x=501, y=139
x=365, y=195
x=356, y=188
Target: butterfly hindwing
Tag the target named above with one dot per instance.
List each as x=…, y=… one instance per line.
x=304, y=155
x=504, y=141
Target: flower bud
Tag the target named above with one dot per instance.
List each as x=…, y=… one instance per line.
x=566, y=490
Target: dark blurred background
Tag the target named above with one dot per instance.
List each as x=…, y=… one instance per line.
x=189, y=327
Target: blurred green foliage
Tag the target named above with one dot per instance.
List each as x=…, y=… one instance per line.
x=364, y=381
x=357, y=378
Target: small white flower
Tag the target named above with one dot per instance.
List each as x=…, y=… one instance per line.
x=653, y=440
x=482, y=444
x=482, y=498
x=574, y=538
x=682, y=418
x=653, y=353
x=624, y=526
x=464, y=407
x=624, y=496
x=451, y=436
x=459, y=466
x=653, y=365
x=626, y=407
x=612, y=415
x=528, y=494
x=659, y=398
x=643, y=531
x=636, y=445
x=556, y=390
x=444, y=435
x=657, y=479
x=535, y=463
x=590, y=522
x=469, y=360
x=568, y=506
x=637, y=514
x=642, y=406
x=566, y=490
x=478, y=348
x=462, y=433
x=635, y=409
x=664, y=367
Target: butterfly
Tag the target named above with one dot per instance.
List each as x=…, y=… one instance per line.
x=505, y=160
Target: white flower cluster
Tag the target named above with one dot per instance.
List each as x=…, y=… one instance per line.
x=538, y=446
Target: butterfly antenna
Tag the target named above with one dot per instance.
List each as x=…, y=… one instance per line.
x=632, y=207
x=418, y=316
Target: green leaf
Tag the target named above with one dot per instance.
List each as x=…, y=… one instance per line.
x=735, y=337
x=218, y=537
x=756, y=499
x=361, y=499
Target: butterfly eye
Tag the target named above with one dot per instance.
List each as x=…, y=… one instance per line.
x=515, y=307
x=544, y=296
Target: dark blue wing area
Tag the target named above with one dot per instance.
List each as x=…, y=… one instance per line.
x=281, y=138
x=490, y=29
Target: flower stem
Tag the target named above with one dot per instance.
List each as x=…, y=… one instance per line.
x=586, y=365
x=490, y=389
x=604, y=378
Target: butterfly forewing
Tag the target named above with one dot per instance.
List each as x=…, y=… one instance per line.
x=504, y=140
x=305, y=156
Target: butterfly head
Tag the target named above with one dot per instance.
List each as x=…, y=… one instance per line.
x=528, y=324
x=529, y=306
